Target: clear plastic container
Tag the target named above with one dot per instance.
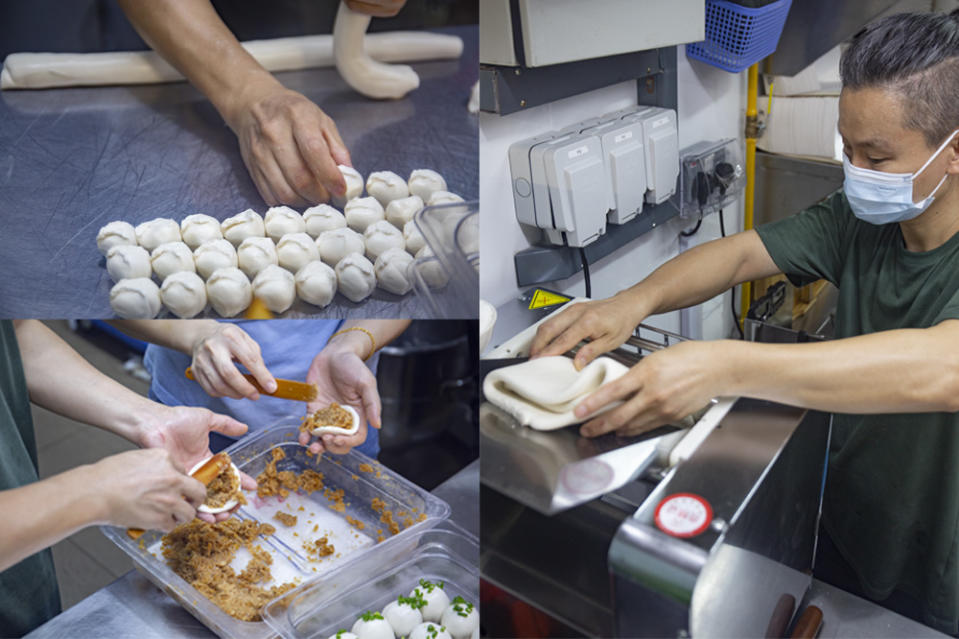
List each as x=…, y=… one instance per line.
x=445, y=553
x=290, y=561
x=448, y=279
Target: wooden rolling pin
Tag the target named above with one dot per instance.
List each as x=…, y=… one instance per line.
x=285, y=388
x=204, y=474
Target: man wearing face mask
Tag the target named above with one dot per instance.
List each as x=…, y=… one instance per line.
x=889, y=240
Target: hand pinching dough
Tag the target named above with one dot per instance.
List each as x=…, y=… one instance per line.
x=213, y=256
x=425, y=182
x=198, y=229
x=255, y=254
x=413, y=238
x=184, y=293
x=296, y=250
x=282, y=220
x=392, y=271
x=363, y=211
x=401, y=211
x=156, y=232
x=336, y=244
x=128, y=261
x=380, y=237
x=115, y=234
x=386, y=186
x=245, y=224
x=274, y=285
x=322, y=217
x=229, y=291
x=354, y=185
x=355, y=277
x=137, y=298
x=316, y=283
x=172, y=257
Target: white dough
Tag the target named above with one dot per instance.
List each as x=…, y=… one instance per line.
x=282, y=220
x=443, y=197
x=115, y=234
x=184, y=293
x=435, y=597
x=355, y=277
x=401, y=211
x=199, y=229
x=429, y=630
x=229, y=291
x=414, y=239
x=212, y=256
x=137, y=298
x=371, y=78
x=429, y=267
x=128, y=261
x=246, y=224
x=392, y=271
x=402, y=617
x=376, y=627
x=322, y=217
x=336, y=244
x=425, y=182
x=316, y=283
x=363, y=211
x=229, y=504
x=153, y=233
x=296, y=250
x=386, y=186
x=275, y=287
x=354, y=185
x=380, y=237
x=172, y=257
x=255, y=254
x=456, y=624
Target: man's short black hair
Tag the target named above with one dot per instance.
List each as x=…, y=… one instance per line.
x=916, y=55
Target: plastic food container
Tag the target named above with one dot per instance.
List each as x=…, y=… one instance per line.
x=290, y=561
x=445, y=553
x=448, y=280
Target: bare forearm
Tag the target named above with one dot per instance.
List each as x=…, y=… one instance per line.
x=382, y=331
x=180, y=335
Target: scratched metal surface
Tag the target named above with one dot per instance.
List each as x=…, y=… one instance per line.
x=72, y=160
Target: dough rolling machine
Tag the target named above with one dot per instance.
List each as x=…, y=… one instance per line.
x=705, y=528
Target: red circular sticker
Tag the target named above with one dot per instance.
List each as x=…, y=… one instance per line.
x=683, y=515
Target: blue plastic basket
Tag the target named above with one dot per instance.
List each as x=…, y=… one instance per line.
x=737, y=36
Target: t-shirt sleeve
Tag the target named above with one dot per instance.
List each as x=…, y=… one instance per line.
x=809, y=246
x=950, y=310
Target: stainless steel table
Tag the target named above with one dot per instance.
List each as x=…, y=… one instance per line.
x=133, y=607
x=72, y=160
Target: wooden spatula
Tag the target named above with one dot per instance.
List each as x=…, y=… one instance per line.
x=285, y=388
x=204, y=474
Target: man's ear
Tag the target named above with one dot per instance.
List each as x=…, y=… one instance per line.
x=953, y=150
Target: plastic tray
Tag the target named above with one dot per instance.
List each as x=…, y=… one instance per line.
x=452, y=233
x=251, y=455
x=446, y=553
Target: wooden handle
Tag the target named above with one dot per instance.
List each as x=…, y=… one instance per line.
x=204, y=474
x=285, y=388
x=807, y=627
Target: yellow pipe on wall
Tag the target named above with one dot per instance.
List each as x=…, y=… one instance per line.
x=752, y=132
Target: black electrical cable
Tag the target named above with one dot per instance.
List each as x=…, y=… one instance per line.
x=722, y=232
x=589, y=286
x=695, y=228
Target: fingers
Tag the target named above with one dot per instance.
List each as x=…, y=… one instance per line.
x=559, y=334
x=247, y=352
x=371, y=404
x=341, y=444
x=297, y=171
x=380, y=9
x=227, y=425
x=341, y=154
x=247, y=482
x=610, y=392
x=316, y=151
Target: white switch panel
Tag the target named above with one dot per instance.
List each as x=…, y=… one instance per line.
x=661, y=139
x=577, y=187
x=624, y=158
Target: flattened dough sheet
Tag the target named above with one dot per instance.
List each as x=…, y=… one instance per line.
x=542, y=393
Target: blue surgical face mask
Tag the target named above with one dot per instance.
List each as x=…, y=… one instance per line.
x=882, y=198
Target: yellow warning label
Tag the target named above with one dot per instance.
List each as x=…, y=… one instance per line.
x=543, y=298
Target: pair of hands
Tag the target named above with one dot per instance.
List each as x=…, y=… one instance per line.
x=662, y=388
x=290, y=146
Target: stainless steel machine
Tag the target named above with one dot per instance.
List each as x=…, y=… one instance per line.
x=703, y=529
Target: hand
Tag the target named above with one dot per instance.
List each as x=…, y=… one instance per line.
x=606, y=323
x=289, y=145
x=661, y=389
x=145, y=489
x=213, y=357
x=183, y=432
x=376, y=8
x=341, y=376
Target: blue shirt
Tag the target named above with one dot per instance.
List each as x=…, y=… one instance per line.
x=288, y=348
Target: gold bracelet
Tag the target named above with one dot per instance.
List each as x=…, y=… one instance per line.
x=358, y=328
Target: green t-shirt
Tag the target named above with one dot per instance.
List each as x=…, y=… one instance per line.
x=892, y=488
x=28, y=590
